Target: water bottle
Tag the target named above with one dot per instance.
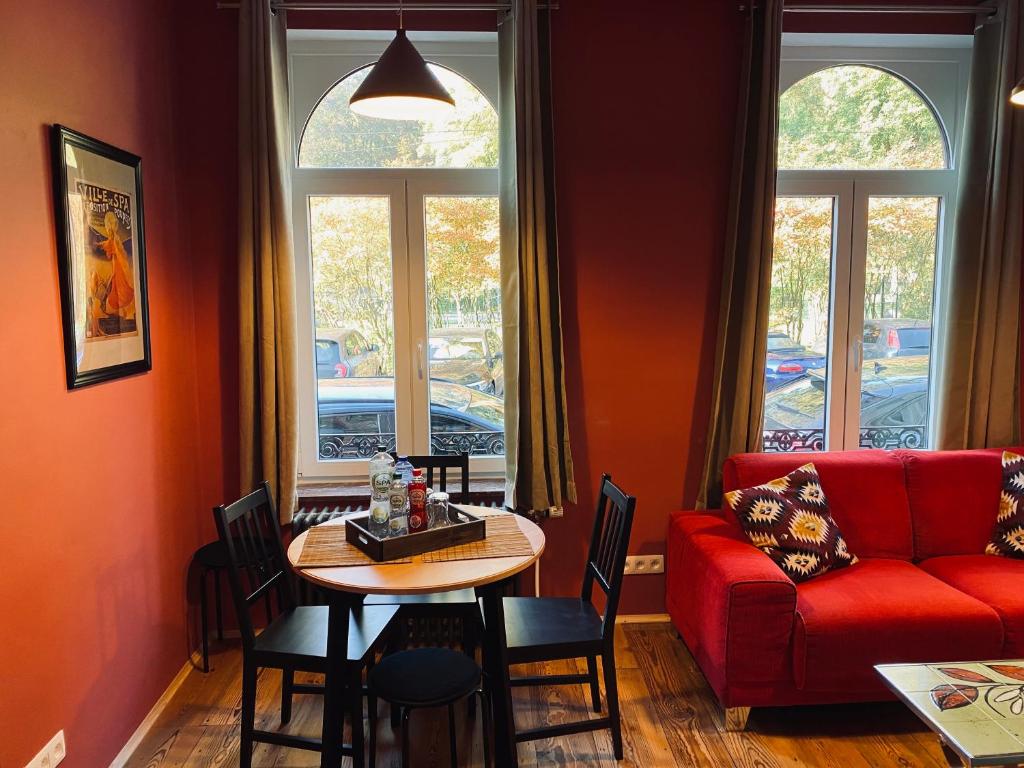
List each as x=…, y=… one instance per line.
x=398, y=498
x=380, y=518
x=382, y=467
x=404, y=468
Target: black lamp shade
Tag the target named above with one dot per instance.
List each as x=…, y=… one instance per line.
x=1017, y=95
x=401, y=86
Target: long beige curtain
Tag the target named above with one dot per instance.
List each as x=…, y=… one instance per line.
x=737, y=403
x=979, y=355
x=539, y=473
x=266, y=270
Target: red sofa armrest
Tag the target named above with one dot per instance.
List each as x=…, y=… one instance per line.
x=733, y=606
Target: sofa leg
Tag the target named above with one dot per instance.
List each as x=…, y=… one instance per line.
x=736, y=718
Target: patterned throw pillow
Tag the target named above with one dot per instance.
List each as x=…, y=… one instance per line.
x=788, y=520
x=1008, y=535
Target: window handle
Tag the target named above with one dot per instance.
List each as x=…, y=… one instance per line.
x=419, y=359
x=857, y=352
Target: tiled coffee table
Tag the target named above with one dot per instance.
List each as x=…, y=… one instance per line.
x=976, y=707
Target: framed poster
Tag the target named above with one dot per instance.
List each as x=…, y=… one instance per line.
x=101, y=254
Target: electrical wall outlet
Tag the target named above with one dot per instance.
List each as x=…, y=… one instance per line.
x=50, y=755
x=638, y=564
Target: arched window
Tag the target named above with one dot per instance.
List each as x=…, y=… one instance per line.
x=398, y=259
x=336, y=137
x=865, y=174
x=858, y=117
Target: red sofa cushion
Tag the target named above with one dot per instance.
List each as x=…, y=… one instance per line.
x=788, y=519
x=884, y=611
x=954, y=499
x=873, y=516
x=995, y=581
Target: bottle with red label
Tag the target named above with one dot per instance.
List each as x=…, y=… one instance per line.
x=417, y=502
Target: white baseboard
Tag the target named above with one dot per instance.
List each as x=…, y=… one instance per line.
x=643, y=618
x=140, y=733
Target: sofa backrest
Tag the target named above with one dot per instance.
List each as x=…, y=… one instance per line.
x=866, y=493
x=954, y=499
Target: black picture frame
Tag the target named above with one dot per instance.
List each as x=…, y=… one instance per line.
x=103, y=284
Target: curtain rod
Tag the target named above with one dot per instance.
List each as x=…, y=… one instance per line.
x=902, y=9
x=294, y=5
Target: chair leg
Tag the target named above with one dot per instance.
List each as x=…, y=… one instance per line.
x=355, y=684
x=470, y=642
x=454, y=756
x=405, y=738
x=204, y=629
x=611, y=690
x=485, y=705
x=216, y=603
x=371, y=705
x=248, y=713
x=595, y=687
x=287, y=685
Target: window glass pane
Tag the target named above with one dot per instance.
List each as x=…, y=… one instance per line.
x=796, y=367
x=350, y=247
x=898, y=287
x=337, y=137
x=467, y=410
x=857, y=117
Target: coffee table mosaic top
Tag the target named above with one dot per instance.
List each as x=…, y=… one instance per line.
x=976, y=707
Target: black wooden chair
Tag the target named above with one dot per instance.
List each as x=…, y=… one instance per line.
x=555, y=628
x=296, y=638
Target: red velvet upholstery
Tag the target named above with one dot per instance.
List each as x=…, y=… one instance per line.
x=954, y=496
x=874, y=517
x=884, y=611
x=761, y=640
x=996, y=581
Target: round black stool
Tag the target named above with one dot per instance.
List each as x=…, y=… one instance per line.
x=427, y=677
x=211, y=558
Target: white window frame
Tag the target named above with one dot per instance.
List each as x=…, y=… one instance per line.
x=317, y=61
x=937, y=67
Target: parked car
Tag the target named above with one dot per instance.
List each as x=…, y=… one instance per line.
x=343, y=353
x=355, y=415
x=894, y=400
x=896, y=338
x=467, y=356
x=788, y=360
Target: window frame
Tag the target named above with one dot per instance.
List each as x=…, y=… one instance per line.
x=317, y=61
x=936, y=67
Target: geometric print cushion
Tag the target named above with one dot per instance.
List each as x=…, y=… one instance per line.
x=788, y=520
x=1008, y=534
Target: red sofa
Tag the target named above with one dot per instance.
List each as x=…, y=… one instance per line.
x=922, y=591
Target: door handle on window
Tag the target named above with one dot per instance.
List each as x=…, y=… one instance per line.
x=419, y=359
x=858, y=352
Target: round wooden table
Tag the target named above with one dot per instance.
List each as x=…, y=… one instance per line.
x=349, y=585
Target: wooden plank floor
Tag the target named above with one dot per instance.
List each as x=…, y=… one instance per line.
x=670, y=718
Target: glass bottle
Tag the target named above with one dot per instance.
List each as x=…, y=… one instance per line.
x=382, y=467
x=417, y=502
x=398, y=497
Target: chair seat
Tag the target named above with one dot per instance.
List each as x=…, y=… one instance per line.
x=547, y=628
x=301, y=634
x=424, y=677
x=453, y=598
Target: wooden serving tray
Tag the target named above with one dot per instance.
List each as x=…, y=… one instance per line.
x=469, y=528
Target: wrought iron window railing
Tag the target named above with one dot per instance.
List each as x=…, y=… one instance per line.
x=798, y=440
x=364, y=445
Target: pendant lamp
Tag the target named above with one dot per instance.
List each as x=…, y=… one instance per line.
x=401, y=86
x=1017, y=95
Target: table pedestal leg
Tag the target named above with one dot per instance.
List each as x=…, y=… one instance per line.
x=496, y=669
x=335, y=694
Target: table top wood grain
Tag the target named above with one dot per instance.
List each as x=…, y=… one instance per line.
x=420, y=577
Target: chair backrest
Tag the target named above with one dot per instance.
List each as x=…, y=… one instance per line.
x=442, y=464
x=609, y=544
x=251, y=534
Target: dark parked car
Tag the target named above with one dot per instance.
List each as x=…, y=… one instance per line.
x=788, y=360
x=893, y=408
x=467, y=356
x=343, y=353
x=355, y=415
x=896, y=338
